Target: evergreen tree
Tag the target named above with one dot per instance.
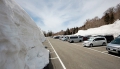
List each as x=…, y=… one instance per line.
x=65, y=33
x=50, y=33
x=76, y=30
x=107, y=18
x=112, y=18
x=68, y=31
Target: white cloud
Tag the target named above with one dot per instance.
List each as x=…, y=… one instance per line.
x=58, y=15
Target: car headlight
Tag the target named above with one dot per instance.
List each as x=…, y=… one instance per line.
x=88, y=42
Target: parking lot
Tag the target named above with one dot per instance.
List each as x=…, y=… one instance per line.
x=65, y=55
x=100, y=49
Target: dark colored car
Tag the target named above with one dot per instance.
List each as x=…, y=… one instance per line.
x=109, y=38
x=86, y=37
x=56, y=37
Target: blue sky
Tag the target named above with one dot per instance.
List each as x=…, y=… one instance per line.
x=56, y=15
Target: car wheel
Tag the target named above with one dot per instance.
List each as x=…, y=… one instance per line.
x=91, y=45
x=104, y=44
x=119, y=52
x=72, y=41
x=109, y=52
x=80, y=41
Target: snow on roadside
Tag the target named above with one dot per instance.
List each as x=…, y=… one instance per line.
x=42, y=35
x=113, y=29
x=20, y=39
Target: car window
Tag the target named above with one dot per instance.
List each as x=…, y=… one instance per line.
x=101, y=39
x=73, y=37
x=96, y=39
x=116, y=41
x=80, y=36
x=90, y=39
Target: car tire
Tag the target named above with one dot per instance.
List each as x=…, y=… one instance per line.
x=72, y=41
x=119, y=52
x=104, y=44
x=80, y=41
x=109, y=52
x=91, y=45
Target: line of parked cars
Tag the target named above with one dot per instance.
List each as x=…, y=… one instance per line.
x=112, y=45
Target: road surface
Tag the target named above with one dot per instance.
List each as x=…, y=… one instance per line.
x=64, y=55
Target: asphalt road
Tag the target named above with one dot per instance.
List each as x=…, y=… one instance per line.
x=75, y=56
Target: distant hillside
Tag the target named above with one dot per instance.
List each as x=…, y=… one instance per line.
x=109, y=17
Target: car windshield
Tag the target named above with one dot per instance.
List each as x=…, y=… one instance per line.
x=116, y=41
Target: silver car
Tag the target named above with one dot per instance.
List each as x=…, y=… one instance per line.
x=114, y=46
x=95, y=41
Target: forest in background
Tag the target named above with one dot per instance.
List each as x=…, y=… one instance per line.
x=109, y=17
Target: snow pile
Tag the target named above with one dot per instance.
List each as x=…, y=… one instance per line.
x=113, y=29
x=20, y=39
x=42, y=35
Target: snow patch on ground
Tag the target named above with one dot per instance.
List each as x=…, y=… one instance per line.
x=113, y=29
x=20, y=39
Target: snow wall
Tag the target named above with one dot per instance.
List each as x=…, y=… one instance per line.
x=20, y=39
x=112, y=29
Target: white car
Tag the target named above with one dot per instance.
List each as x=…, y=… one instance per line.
x=60, y=37
x=74, y=38
x=95, y=41
x=64, y=38
x=114, y=46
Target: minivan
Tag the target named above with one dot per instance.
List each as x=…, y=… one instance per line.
x=95, y=41
x=114, y=46
x=75, y=38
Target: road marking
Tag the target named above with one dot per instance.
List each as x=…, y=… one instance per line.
x=57, y=56
x=104, y=52
x=76, y=45
x=54, y=58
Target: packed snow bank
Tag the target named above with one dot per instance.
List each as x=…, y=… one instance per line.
x=42, y=35
x=20, y=39
x=113, y=29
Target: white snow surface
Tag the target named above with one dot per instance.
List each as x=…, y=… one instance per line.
x=111, y=29
x=20, y=39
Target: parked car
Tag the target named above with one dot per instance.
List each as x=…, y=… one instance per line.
x=114, y=46
x=75, y=38
x=64, y=38
x=56, y=37
x=95, y=41
x=86, y=37
x=67, y=37
x=60, y=37
x=109, y=38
